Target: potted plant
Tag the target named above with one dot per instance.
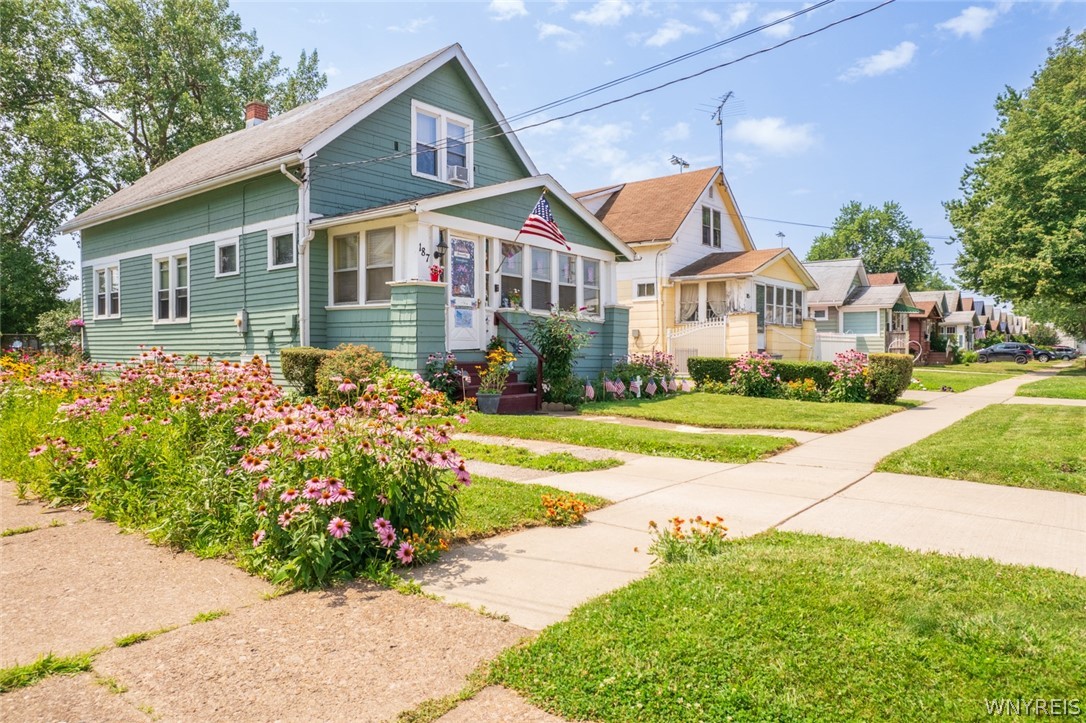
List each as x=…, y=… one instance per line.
x=435, y=272
x=492, y=379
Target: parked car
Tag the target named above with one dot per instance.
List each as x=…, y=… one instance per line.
x=1065, y=353
x=1006, y=351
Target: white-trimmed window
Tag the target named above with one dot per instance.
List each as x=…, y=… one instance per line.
x=591, y=282
x=280, y=250
x=710, y=227
x=441, y=145
x=107, y=292
x=512, y=274
x=542, y=276
x=171, y=285
x=779, y=306
x=820, y=314
x=362, y=267
x=567, y=282
x=227, y=259
x=644, y=290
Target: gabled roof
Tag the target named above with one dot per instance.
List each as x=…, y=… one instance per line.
x=742, y=263
x=883, y=279
x=937, y=296
x=967, y=303
x=654, y=209
x=834, y=279
x=953, y=300
x=961, y=317
x=287, y=138
x=877, y=296
x=930, y=309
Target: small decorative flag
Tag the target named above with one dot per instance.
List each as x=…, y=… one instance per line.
x=541, y=223
x=687, y=386
x=650, y=388
x=673, y=385
x=620, y=388
x=589, y=392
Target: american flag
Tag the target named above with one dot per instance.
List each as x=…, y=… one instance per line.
x=541, y=223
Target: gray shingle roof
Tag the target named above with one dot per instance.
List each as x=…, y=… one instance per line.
x=281, y=136
x=961, y=317
x=880, y=296
x=834, y=279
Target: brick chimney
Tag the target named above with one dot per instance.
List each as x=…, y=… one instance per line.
x=255, y=113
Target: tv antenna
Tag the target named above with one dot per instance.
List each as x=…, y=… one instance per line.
x=780, y=235
x=719, y=118
x=676, y=161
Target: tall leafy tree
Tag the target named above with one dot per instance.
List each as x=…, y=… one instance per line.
x=883, y=237
x=1068, y=317
x=1022, y=216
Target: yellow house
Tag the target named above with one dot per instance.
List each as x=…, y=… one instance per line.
x=699, y=287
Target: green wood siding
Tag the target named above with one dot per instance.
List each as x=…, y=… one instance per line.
x=607, y=346
x=253, y=201
x=340, y=189
x=861, y=322
x=829, y=324
x=318, y=289
x=510, y=210
x=270, y=297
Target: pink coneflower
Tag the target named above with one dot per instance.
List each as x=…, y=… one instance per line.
x=386, y=537
x=320, y=452
x=265, y=484
x=288, y=496
x=339, y=527
x=253, y=464
x=382, y=524
x=406, y=553
x=341, y=494
x=326, y=497
x=286, y=518
x=38, y=450
x=242, y=431
x=301, y=509
x=262, y=510
x=463, y=476
x=346, y=386
x=258, y=537
x=92, y=464
x=383, y=499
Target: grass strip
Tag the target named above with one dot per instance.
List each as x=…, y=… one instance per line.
x=493, y=506
x=1035, y=446
x=642, y=440
x=432, y=709
x=561, y=462
x=134, y=638
x=20, y=676
x=209, y=616
x=933, y=380
x=728, y=411
x=12, y=531
x=1068, y=384
x=791, y=627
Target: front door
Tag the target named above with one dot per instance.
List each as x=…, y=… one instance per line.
x=464, y=322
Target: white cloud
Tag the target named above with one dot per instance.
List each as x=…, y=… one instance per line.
x=881, y=63
x=604, y=12
x=563, y=37
x=678, y=132
x=507, y=9
x=575, y=145
x=973, y=21
x=774, y=135
x=778, y=31
x=738, y=15
x=669, y=32
x=321, y=19
x=412, y=26
x=332, y=71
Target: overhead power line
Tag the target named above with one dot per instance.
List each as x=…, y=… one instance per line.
x=815, y=225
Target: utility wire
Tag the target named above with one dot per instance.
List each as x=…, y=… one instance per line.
x=815, y=225
x=789, y=41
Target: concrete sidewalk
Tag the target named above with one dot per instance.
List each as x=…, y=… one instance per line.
x=825, y=485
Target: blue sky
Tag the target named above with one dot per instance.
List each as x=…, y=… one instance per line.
x=880, y=108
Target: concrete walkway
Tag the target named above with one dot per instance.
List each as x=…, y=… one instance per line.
x=826, y=485
x=1047, y=400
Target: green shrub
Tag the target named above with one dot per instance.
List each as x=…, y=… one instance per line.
x=710, y=369
x=61, y=329
x=968, y=357
x=707, y=369
x=300, y=364
x=559, y=339
x=357, y=363
x=939, y=342
x=804, y=391
x=888, y=375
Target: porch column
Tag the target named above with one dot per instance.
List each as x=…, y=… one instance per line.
x=416, y=323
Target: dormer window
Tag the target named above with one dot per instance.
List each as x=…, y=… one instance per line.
x=441, y=143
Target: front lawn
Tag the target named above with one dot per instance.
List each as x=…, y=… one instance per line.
x=934, y=380
x=996, y=367
x=1069, y=384
x=793, y=627
x=560, y=462
x=492, y=506
x=728, y=411
x=1035, y=446
x=642, y=440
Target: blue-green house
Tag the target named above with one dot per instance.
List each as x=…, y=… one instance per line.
x=320, y=226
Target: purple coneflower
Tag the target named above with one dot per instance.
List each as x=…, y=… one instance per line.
x=339, y=527
x=258, y=537
x=406, y=553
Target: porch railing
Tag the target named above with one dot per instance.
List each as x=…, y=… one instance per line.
x=501, y=321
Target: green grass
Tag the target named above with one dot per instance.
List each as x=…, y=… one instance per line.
x=727, y=411
x=790, y=627
x=520, y=457
x=209, y=616
x=936, y=379
x=1035, y=446
x=20, y=676
x=710, y=447
x=126, y=640
x=1069, y=384
x=996, y=367
x=491, y=506
x=12, y=531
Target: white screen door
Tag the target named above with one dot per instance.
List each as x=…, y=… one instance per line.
x=464, y=322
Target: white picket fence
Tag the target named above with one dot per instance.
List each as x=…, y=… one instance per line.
x=706, y=338
x=827, y=345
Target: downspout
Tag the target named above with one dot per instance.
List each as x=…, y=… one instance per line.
x=305, y=235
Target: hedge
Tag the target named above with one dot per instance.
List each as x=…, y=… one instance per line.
x=709, y=369
x=888, y=376
x=300, y=364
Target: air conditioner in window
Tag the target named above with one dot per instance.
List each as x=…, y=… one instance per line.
x=458, y=174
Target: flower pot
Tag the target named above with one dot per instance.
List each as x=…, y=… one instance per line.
x=435, y=277
x=488, y=403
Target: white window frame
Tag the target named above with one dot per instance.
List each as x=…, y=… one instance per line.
x=443, y=118
x=638, y=296
x=112, y=275
x=276, y=233
x=219, y=246
x=716, y=227
x=574, y=262
x=173, y=318
x=360, y=269
x=820, y=314
x=582, y=284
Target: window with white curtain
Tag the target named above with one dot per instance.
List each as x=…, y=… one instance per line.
x=171, y=284
x=688, y=303
x=380, y=257
x=591, y=285
x=512, y=274
x=567, y=282
x=541, y=279
x=107, y=292
x=716, y=300
x=345, y=269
